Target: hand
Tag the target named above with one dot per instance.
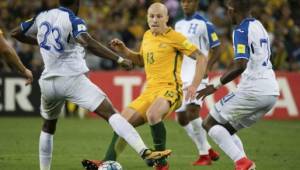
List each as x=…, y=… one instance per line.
x=191, y=93
x=127, y=64
x=117, y=45
x=209, y=89
x=29, y=78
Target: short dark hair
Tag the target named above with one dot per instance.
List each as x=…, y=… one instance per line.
x=242, y=5
x=67, y=2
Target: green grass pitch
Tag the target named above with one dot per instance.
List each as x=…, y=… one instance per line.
x=273, y=145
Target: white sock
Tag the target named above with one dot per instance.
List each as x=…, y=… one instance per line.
x=200, y=136
x=189, y=130
x=45, y=150
x=223, y=138
x=125, y=130
x=238, y=143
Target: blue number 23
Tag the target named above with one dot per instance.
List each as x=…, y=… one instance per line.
x=56, y=34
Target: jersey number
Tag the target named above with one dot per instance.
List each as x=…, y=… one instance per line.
x=266, y=42
x=56, y=35
x=150, y=58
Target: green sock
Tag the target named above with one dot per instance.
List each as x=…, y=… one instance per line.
x=115, y=148
x=159, y=135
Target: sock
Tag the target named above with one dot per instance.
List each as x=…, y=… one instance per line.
x=127, y=132
x=45, y=150
x=200, y=136
x=116, y=147
x=222, y=137
x=238, y=143
x=159, y=135
x=189, y=130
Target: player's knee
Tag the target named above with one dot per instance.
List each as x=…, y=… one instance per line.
x=49, y=126
x=182, y=118
x=153, y=118
x=193, y=111
x=105, y=110
x=206, y=125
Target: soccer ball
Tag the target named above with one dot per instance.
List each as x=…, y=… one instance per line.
x=110, y=165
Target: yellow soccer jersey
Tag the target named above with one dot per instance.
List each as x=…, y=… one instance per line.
x=163, y=55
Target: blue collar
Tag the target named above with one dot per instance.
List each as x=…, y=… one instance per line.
x=246, y=20
x=188, y=18
x=66, y=10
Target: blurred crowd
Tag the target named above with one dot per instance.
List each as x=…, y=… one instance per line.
x=126, y=20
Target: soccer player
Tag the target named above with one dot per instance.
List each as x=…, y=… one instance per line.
x=257, y=91
x=62, y=38
x=161, y=54
x=200, y=32
x=11, y=57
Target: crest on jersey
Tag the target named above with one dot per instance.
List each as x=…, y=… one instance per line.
x=214, y=36
x=81, y=27
x=241, y=49
x=186, y=44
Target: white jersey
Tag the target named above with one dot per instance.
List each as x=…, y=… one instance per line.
x=56, y=31
x=251, y=42
x=201, y=33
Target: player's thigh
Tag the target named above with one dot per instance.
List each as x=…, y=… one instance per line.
x=133, y=117
x=167, y=100
x=51, y=103
x=263, y=105
x=51, y=108
x=141, y=104
x=86, y=94
x=222, y=110
x=241, y=109
x=158, y=110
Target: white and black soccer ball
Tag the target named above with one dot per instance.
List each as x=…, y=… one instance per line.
x=110, y=165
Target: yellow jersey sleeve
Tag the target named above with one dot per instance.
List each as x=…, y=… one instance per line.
x=1, y=31
x=182, y=44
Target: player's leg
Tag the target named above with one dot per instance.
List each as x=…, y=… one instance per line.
x=51, y=106
x=223, y=137
x=89, y=96
x=206, y=153
x=155, y=114
x=250, y=109
x=219, y=129
x=46, y=143
x=117, y=144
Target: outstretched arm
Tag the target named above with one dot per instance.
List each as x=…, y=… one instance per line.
x=234, y=70
x=18, y=35
x=11, y=57
x=120, y=47
x=100, y=50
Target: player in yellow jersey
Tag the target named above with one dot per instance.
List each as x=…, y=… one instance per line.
x=161, y=54
x=11, y=57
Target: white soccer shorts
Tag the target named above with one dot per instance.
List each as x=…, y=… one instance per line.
x=77, y=89
x=199, y=102
x=241, y=109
